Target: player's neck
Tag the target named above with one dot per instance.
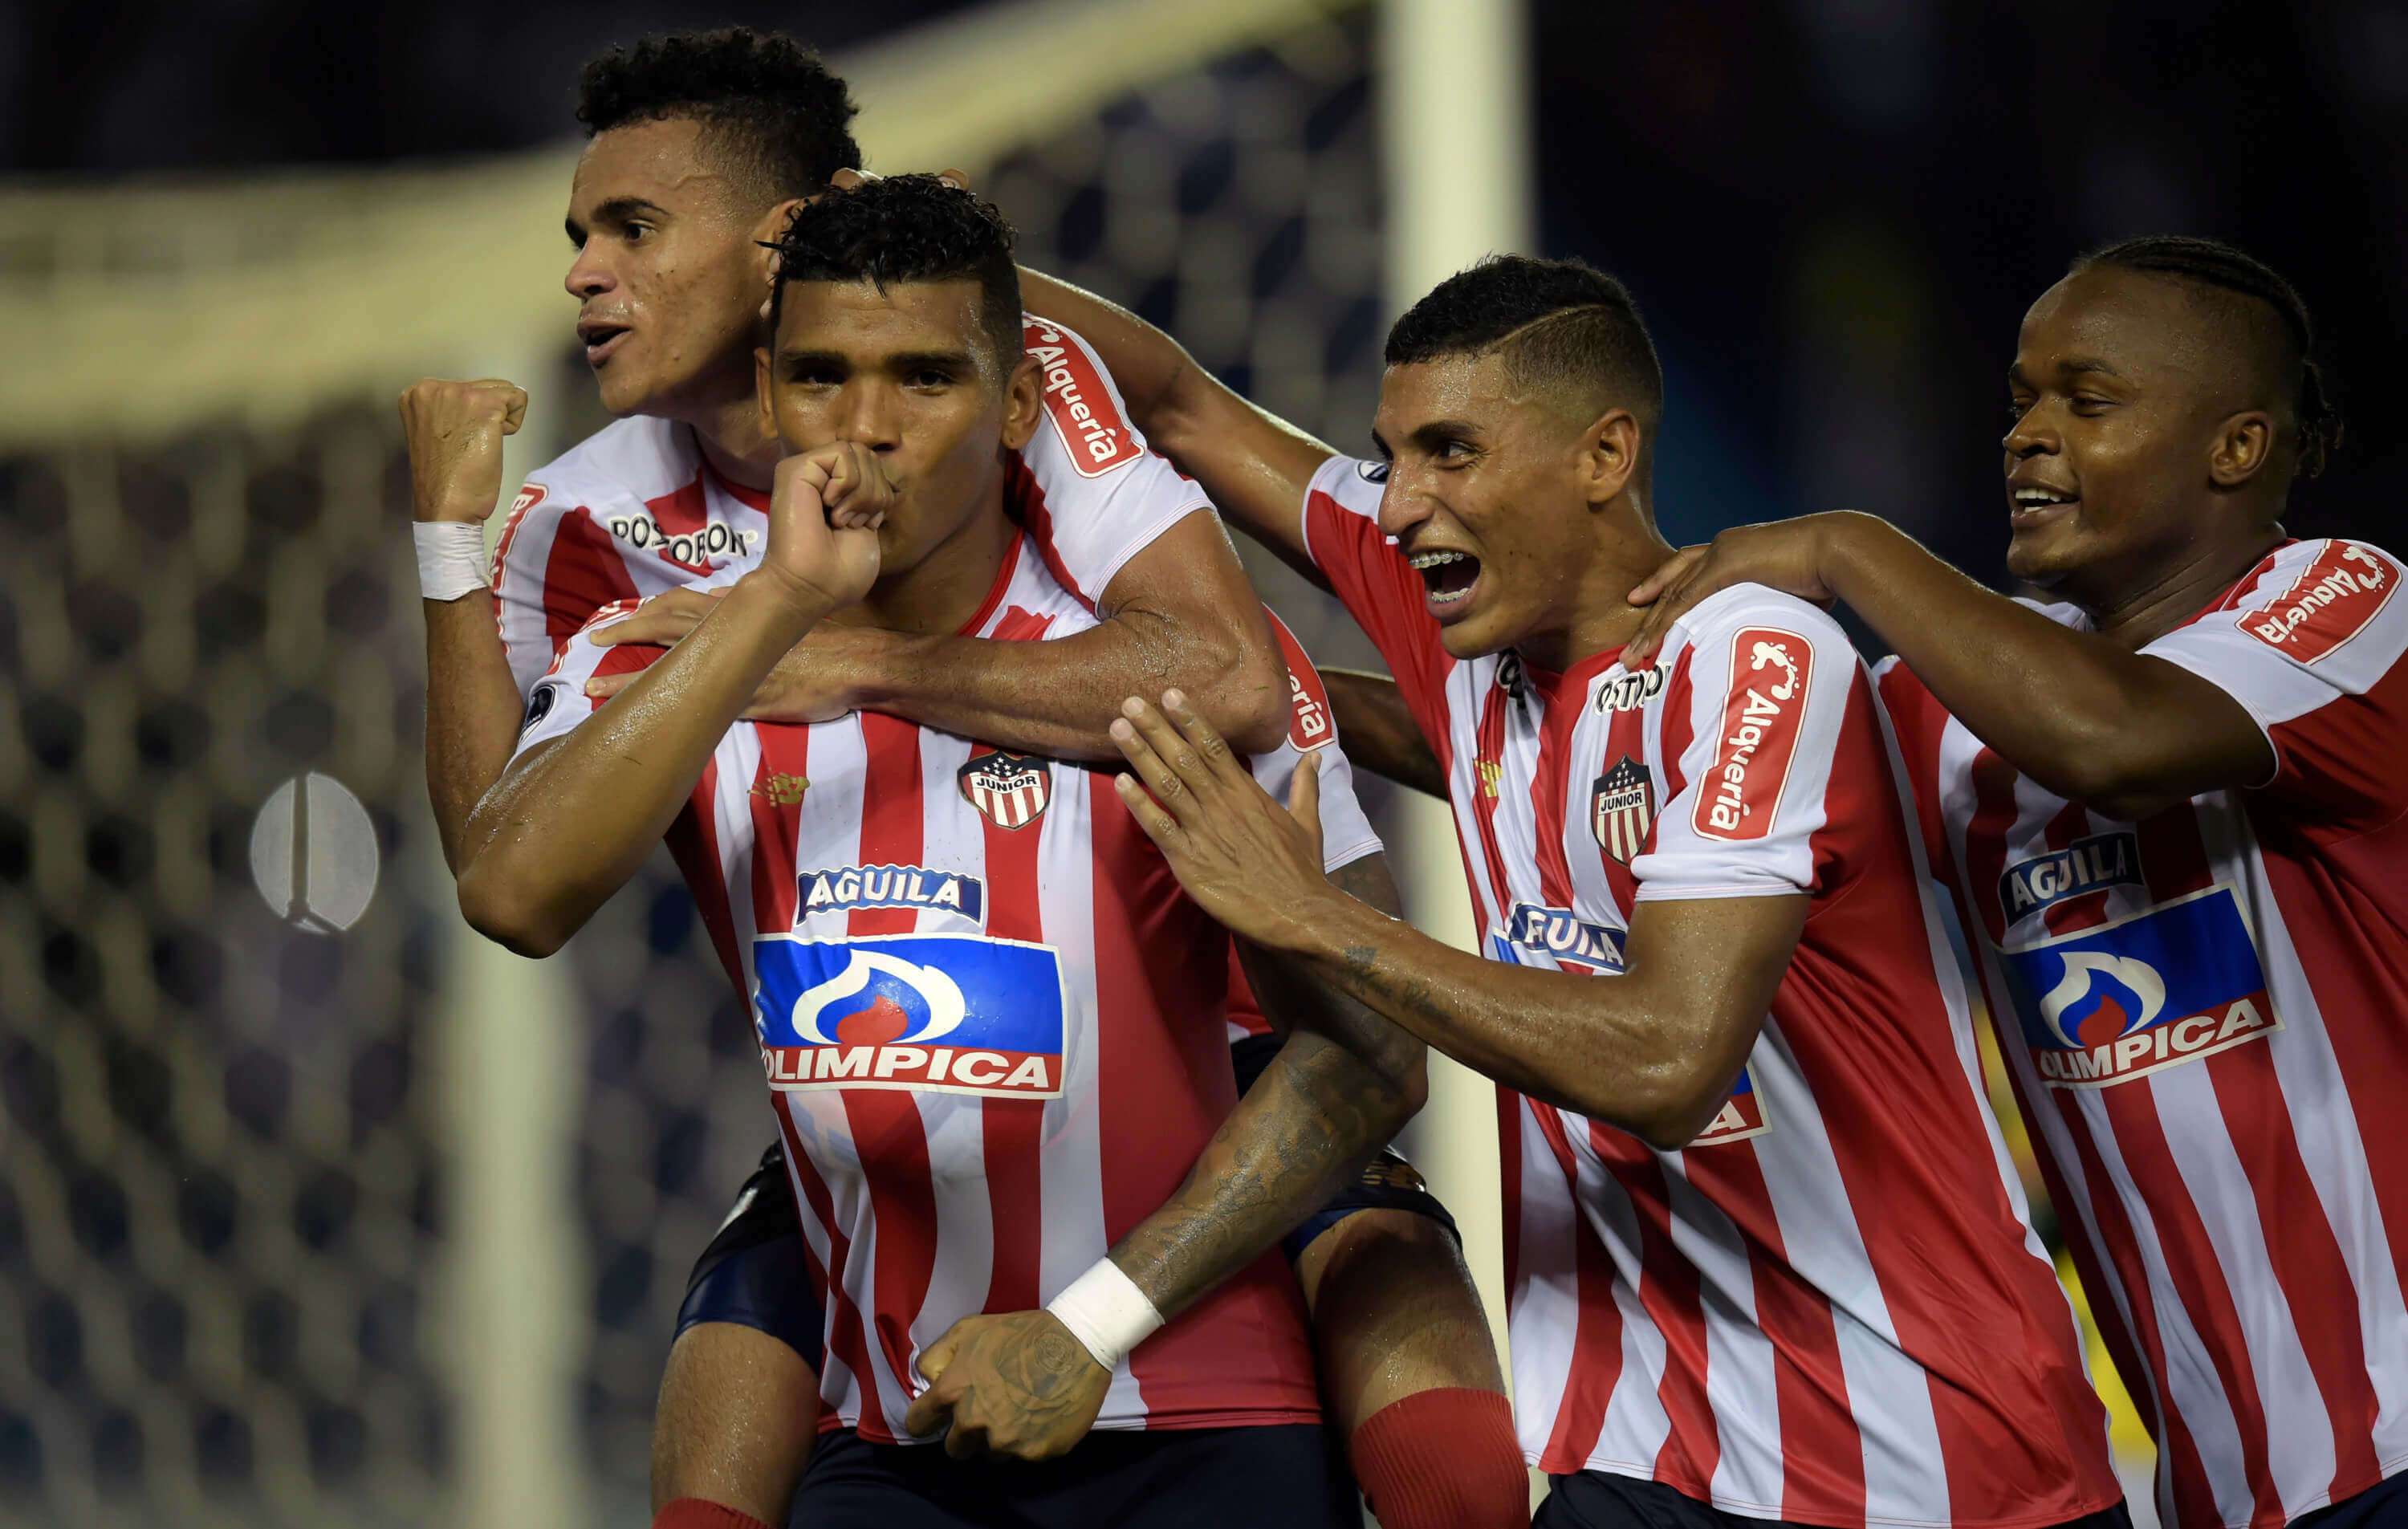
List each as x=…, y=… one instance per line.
x=1602, y=617
x=938, y=596
x=2137, y=612
x=732, y=440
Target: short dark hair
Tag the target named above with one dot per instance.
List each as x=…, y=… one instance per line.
x=1563, y=326
x=2222, y=268
x=765, y=101
x=907, y=228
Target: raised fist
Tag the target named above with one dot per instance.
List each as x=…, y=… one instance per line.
x=455, y=430
x=824, y=512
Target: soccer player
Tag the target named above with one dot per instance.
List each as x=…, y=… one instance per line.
x=1766, y=1257
x=2168, y=802
x=700, y=143
x=993, y=1026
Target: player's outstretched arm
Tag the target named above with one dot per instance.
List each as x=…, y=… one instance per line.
x=1654, y=1052
x=2120, y=731
x=454, y=432
x=1379, y=732
x=1255, y=465
x=1181, y=608
x=573, y=818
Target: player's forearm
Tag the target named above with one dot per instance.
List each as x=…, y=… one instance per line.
x=472, y=712
x=1379, y=732
x=1058, y=698
x=1253, y=463
x=2087, y=719
x=1651, y=1051
x=568, y=825
x=1342, y=1085
x=1306, y=1128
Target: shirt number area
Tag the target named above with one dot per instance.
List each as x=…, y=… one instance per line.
x=929, y=1013
x=2159, y=988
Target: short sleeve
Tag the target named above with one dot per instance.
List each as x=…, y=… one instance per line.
x=1346, y=833
x=553, y=568
x=1102, y=496
x=2310, y=646
x=1370, y=577
x=1768, y=681
x=557, y=702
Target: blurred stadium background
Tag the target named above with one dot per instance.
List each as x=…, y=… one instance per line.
x=315, y=1209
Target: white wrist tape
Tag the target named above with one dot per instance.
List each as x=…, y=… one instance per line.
x=450, y=558
x=1104, y=1309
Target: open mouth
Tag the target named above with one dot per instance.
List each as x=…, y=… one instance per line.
x=1447, y=579
x=601, y=340
x=2030, y=506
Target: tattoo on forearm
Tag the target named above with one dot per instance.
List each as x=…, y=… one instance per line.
x=1363, y=967
x=1308, y=1125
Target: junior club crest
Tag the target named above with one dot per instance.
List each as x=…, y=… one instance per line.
x=1622, y=807
x=1011, y=791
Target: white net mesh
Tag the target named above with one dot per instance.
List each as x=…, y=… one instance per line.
x=219, y=1209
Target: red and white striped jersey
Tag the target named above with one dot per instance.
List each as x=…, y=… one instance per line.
x=992, y=1024
x=634, y=511
x=1830, y=1306
x=2205, y=1016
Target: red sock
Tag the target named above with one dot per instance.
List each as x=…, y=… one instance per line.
x=1443, y=1460
x=695, y=1513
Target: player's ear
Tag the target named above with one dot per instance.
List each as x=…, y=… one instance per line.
x=762, y=398
x=2242, y=446
x=768, y=231
x=1023, y=402
x=1608, y=455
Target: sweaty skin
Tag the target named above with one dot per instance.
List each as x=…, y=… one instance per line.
x=1338, y=1089
x=1654, y=1050
x=669, y=276
x=2120, y=398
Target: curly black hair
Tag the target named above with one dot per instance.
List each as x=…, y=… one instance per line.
x=767, y=101
x=2213, y=265
x=907, y=228
x=1563, y=326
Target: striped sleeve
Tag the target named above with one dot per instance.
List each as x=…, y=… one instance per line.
x=1769, y=680
x=1372, y=579
x=554, y=566
x=557, y=702
x=2310, y=646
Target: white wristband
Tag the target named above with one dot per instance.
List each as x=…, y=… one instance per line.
x=1104, y=1309
x=450, y=558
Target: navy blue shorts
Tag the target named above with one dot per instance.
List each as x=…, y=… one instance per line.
x=2386, y=1503
x=1602, y=1500
x=1275, y=1477
x=753, y=1273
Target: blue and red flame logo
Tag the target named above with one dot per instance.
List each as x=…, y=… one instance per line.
x=2159, y=988
x=943, y=1013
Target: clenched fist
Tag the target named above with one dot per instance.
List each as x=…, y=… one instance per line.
x=455, y=431
x=825, y=511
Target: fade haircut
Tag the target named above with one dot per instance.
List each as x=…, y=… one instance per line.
x=769, y=108
x=904, y=228
x=2261, y=310
x=1565, y=328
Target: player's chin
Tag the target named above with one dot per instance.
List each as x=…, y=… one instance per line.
x=1484, y=629
x=2043, y=555
x=627, y=392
